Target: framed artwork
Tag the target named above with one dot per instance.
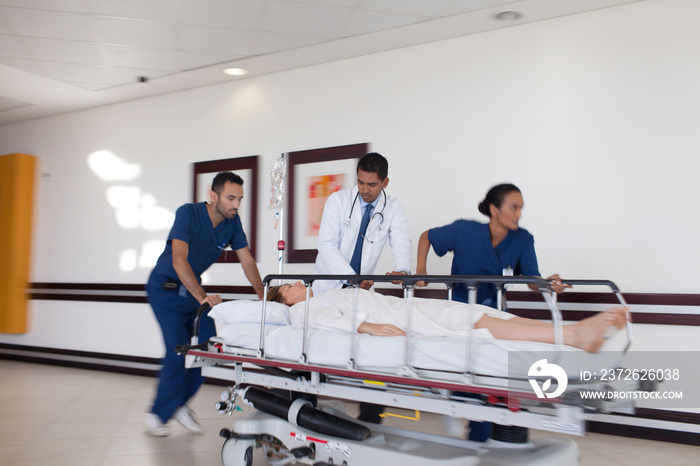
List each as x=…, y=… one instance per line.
x=313, y=176
x=246, y=168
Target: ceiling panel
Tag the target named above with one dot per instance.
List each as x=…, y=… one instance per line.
x=232, y=42
x=63, y=55
x=49, y=24
x=190, y=60
x=64, y=50
x=104, y=75
x=364, y=22
x=229, y=14
x=31, y=66
x=160, y=10
x=407, y=7
x=135, y=32
x=7, y=104
x=466, y=6
x=54, y=5
x=13, y=47
x=305, y=20
x=143, y=58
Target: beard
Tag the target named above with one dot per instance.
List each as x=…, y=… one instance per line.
x=226, y=213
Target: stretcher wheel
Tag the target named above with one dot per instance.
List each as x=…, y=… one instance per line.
x=236, y=452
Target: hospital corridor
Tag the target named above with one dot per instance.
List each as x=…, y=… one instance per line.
x=61, y=416
x=473, y=218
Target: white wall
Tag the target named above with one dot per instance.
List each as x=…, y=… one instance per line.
x=593, y=116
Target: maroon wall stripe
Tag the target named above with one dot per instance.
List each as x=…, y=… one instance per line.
x=50, y=291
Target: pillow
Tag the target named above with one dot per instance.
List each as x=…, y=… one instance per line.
x=249, y=311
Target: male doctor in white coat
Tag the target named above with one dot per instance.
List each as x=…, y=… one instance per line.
x=340, y=239
x=355, y=227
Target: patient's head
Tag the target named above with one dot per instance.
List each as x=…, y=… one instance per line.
x=274, y=294
x=288, y=294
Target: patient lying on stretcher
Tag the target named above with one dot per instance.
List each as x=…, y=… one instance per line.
x=383, y=315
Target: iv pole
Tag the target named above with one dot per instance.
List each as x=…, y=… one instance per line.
x=277, y=178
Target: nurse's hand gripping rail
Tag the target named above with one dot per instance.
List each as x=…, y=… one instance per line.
x=511, y=404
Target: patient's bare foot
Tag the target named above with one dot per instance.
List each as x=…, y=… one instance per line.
x=588, y=334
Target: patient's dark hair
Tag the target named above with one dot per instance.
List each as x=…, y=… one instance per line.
x=496, y=196
x=374, y=162
x=274, y=294
x=222, y=178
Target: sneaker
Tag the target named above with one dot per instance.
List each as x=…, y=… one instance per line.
x=185, y=416
x=154, y=426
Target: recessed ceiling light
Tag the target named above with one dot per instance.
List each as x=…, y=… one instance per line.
x=508, y=15
x=235, y=71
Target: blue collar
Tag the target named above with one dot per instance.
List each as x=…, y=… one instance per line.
x=374, y=204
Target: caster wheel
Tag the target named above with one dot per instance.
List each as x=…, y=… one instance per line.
x=237, y=452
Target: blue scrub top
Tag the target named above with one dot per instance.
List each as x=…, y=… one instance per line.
x=193, y=226
x=474, y=255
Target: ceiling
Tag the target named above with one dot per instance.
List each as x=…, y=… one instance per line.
x=58, y=56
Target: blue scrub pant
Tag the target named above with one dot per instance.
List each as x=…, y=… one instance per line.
x=175, y=314
x=479, y=431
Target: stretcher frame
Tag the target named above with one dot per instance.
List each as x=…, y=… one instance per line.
x=407, y=388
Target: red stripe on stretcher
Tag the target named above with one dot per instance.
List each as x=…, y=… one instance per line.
x=430, y=383
x=312, y=439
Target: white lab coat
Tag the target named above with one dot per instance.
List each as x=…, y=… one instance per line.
x=337, y=240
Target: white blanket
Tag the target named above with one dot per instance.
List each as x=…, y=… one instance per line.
x=430, y=317
x=490, y=356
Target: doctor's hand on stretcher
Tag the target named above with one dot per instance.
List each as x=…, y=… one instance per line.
x=382, y=330
x=366, y=284
x=396, y=282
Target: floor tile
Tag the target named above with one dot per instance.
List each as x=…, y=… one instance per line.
x=51, y=415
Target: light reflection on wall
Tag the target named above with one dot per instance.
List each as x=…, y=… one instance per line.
x=136, y=210
x=109, y=167
x=154, y=217
x=125, y=201
x=150, y=250
x=133, y=209
x=128, y=260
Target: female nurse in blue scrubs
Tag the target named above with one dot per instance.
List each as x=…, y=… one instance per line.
x=498, y=247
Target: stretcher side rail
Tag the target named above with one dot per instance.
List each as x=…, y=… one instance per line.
x=469, y=381
x=409, y=280
x=408, y=284
x=512, y=408
x=411, y=389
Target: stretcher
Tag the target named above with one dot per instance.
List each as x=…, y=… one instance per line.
x=264, y=355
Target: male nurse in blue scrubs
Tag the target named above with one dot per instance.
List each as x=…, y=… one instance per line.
x=199, y=234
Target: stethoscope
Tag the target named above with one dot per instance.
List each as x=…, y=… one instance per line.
x=380, y=213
